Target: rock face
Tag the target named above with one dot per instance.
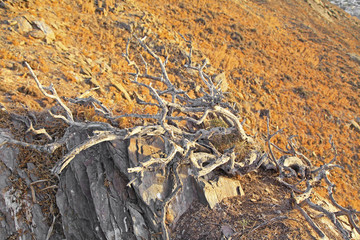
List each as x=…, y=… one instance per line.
x=93, y=198
x=97, y=202
x=20, y=217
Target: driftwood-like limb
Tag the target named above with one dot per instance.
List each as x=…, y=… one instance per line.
x=259, y=160
x=268, y=139
x=158, y=59
x=48, y=148
x=350, y=213
x=313, y=176
x=210, y=103
x=98, y=106
x=98, y=138
x=53, y=94
x=30, y=128
x=215, y=163
x=310, y=221
x=305, y=195
x=51, y=228
x=39, y=131
x=235, y=120
x=189, y=55
x=162, y=162
x=331, y=216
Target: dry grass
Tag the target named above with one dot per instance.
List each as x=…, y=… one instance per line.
x=283, y=47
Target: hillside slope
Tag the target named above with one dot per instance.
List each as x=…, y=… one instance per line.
x=298, y=59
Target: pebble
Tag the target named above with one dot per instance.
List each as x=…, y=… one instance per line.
x=49, y=33
x=22, y=24
x=38, y=34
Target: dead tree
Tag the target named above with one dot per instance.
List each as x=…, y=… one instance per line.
x=294, y=165
x=182, y=146
x=97, y=174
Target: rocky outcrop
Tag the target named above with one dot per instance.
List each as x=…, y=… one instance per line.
x=96, y=200
x=21, y=217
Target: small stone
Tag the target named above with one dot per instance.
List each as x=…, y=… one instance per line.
x=236, y=36
x=357, y=119
x=88, y=61
x=12, y=22
x=354, y=125
x=227, y=231
x=2, y=108
x=354, y=57
x=22, y=25
x=124, y=25
x=37, y=34
x=61, y=46
x=86, y=71
x=94, y=82
x=49, y=33
x=6, y=6
x=221, y=81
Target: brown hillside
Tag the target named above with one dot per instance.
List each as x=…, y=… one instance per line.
x=298, y=58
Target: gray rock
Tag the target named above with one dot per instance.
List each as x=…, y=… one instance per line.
x=8, y=155
x=37, y=34
x=124, y=24
x=350, y=6
x=48, y=32
x=96, y=202
x=213, y=192
x=22, y=25
x=12, y=201
x=354, y=57
x=92, y=194
x=220, y=80
x=140, y=230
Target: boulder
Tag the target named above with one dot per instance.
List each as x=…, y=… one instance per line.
x=99, y=199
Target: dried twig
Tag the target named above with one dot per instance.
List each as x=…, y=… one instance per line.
x=313, y=176
x=53, y=94
x=310, y=221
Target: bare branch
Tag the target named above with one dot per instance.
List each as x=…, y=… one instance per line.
x=99, y=138
x=331, y=216
x=53, y=94
x=310, y=221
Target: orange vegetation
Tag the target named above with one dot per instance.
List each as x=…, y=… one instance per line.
x=292, y=57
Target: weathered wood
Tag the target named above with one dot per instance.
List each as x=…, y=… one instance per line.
x=113, y=186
